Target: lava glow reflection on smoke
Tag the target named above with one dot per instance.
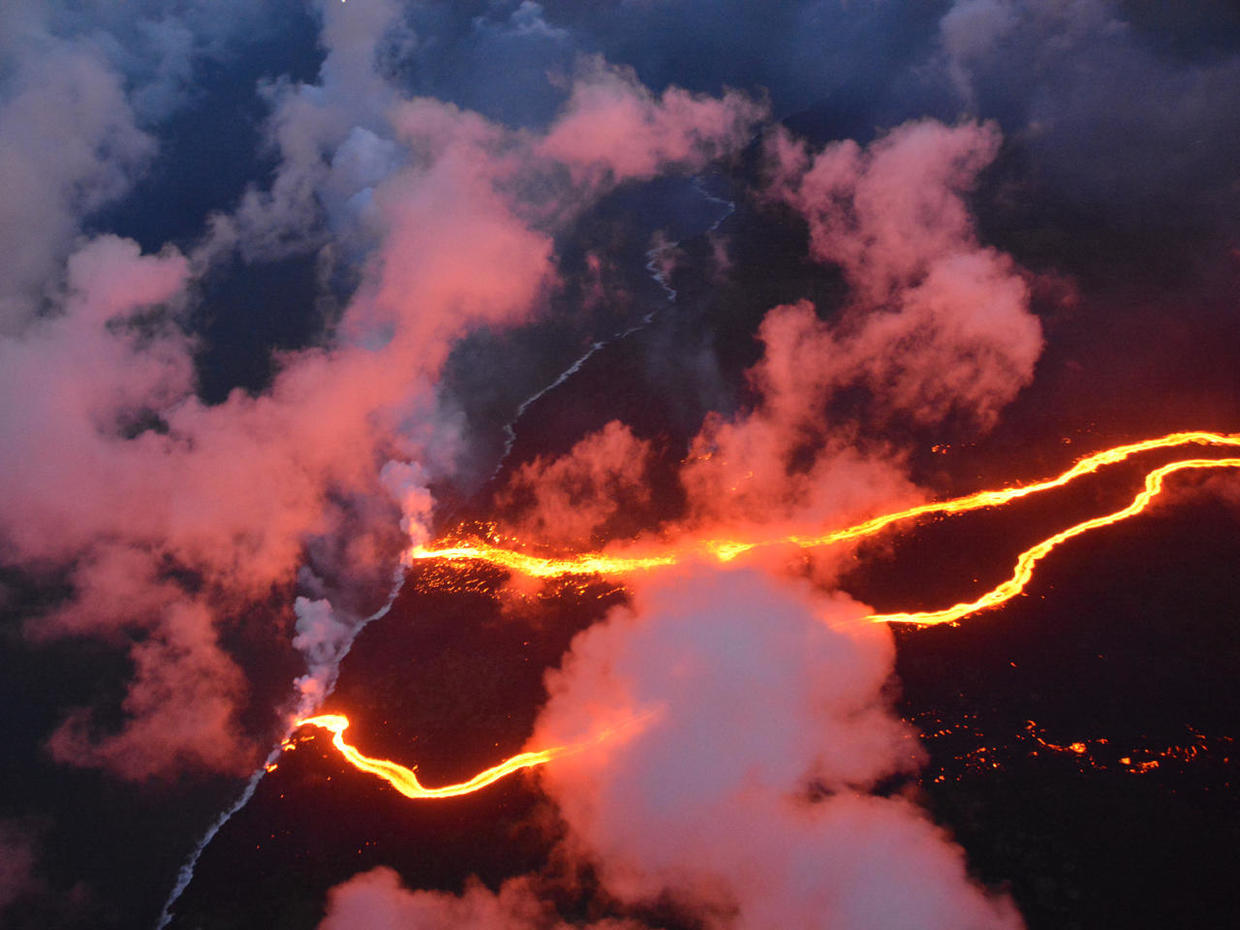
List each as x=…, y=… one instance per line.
x=405, y=780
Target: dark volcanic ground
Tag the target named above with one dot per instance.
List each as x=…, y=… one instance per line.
x=1126, y=642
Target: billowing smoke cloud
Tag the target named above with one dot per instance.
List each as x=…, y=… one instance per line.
x=742, y=793
x=613, y=127
x=17, y=864
x=568, y=500
x=332, y=138
x=322, y=637
x=938, y=322
x=936, y=325
x=68, y=145
x=751, y=719
x=379, y=901
x=81, y=89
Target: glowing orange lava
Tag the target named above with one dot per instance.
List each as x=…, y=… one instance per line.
x=536, y=566
x=725, y=550
x=600, y=563
x=405, y=780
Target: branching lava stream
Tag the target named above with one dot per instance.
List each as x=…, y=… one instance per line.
x=622, y=563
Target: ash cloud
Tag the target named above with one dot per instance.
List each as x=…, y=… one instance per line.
x=750, y=724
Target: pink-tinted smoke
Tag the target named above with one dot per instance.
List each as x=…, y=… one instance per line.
x=937, y=322
x=377, y=900
x=568, y=500
x=745, y=796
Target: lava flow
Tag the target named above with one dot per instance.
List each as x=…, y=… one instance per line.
x=725, y=550
x=405, y=780
x=1030, y=557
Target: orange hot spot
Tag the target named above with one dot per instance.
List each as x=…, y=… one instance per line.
x=405, y=780
x=725, y=550
x=1030, y=557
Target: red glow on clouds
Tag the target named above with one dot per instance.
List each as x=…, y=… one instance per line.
x=568, y=500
